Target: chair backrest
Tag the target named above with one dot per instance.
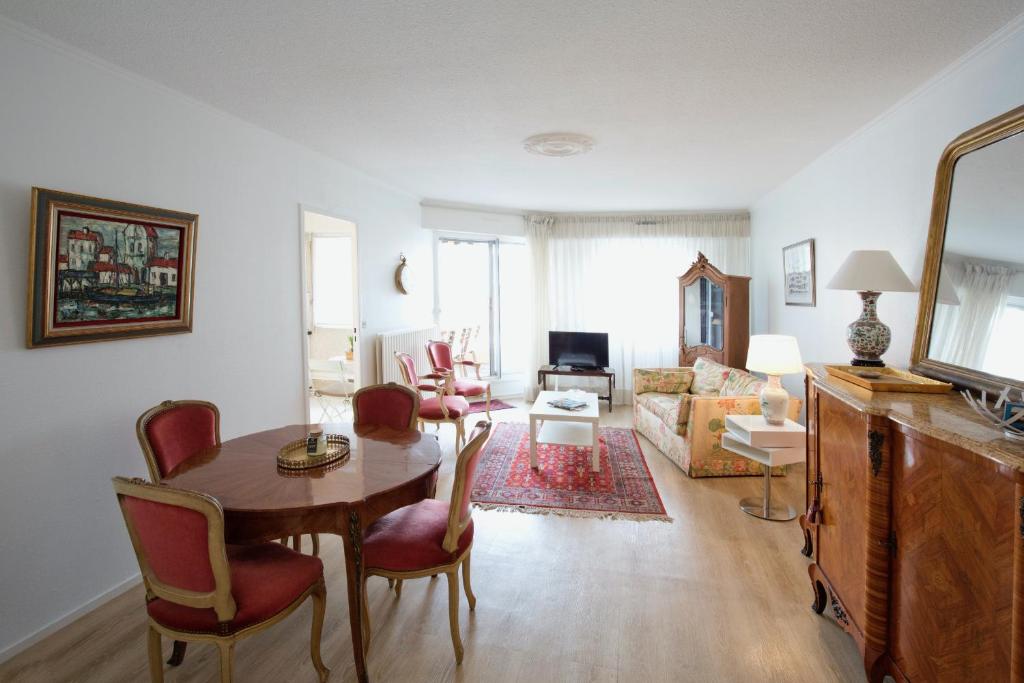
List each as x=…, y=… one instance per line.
x=407, y=366
x=178, y=537
x=460, y=511
x=386, y=405
x=174, y=431
x=439, y=354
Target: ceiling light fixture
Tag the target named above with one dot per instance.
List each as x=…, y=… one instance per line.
x=558, y=144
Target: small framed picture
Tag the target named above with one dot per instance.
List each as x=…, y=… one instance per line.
x=798, y=269
x=100, y=269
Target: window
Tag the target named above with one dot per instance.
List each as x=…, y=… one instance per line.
x=332, y=281
x=1002, y=357
x=479, y=287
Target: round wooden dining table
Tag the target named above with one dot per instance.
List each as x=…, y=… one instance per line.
x=387, y=469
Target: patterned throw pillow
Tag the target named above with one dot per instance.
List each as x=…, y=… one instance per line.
x=741, y=383
x=708, y=377
x=667, y=381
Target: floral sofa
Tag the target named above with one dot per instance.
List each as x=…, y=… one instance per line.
x=682, y=411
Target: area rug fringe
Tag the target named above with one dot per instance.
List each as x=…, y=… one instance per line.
x=569, y=512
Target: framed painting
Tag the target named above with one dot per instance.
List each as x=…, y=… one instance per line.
x=101, y=269
x=798, y=269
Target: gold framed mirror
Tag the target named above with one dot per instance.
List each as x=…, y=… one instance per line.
x=970, y=319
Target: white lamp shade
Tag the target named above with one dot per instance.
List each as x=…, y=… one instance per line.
x=871, y=271
x=774, y=354
x=947, y=292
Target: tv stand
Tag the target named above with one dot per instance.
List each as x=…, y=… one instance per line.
x=569, y=371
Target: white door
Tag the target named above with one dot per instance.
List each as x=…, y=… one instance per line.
x=330, y=284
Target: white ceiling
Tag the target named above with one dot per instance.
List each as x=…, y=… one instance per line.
x=693, y=104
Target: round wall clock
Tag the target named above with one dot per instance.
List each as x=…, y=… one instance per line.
x=402, y=276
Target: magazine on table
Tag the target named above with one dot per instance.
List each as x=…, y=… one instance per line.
x=568, y=404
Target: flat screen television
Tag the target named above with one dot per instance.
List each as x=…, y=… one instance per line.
x=583, y=350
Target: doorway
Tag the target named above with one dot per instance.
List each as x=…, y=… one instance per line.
x=330, y=316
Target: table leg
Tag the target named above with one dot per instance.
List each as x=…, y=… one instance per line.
x=533, y=442
x=767, y=492
x=611, y=389
x=353, y=542
x=595, y=456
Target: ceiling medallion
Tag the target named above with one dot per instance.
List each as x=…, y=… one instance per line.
x=558, y=144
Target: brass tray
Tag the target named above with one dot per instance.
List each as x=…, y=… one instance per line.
x=887, y=379
x=293, y=456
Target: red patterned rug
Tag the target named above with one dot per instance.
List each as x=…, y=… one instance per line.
x=564, y=484
x=481, y=406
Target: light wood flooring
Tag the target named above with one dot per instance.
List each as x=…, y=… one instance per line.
x=715, y=596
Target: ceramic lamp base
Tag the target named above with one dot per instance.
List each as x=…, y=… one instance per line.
x=867, y=336
x=774, y=401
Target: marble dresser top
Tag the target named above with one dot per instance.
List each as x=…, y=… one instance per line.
x=944, y=416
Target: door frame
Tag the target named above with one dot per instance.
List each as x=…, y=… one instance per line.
x=304, y=316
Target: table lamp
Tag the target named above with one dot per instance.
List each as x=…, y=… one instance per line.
x=870, y=272
x=775, y=355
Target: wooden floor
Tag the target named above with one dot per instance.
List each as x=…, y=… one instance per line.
x=714, y=596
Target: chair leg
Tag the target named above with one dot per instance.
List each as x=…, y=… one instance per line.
x=488, y=402
x=297, y=543
x=316, y=544
x=453, y=613
x=319, y=608
x=178, y=654
x=398, y=588
x=227, y=657
x=156, y=664
x=366, y=619
x=465, y=583
x=391, y=584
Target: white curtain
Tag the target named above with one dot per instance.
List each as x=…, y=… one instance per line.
x=961, y=333
x=617, y=274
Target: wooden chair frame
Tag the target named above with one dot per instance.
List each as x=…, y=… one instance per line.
x=393, y=386
x=463, y=364
x=444, y=388
x=220, y=598
x=147, y=448
x=456, y=526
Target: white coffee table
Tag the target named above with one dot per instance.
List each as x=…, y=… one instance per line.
x=567, y=427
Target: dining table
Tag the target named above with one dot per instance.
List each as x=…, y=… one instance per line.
x=386, y=470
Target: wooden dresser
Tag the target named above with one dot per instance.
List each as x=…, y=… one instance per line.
x=915, y=523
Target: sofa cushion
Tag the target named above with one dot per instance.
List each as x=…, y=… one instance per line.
x=741, y=383
x=708, y=377
x=672, y=409
x=663, y=380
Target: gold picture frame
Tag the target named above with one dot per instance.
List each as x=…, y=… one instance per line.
x=101, y=269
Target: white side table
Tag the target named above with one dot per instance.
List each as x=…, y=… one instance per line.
x=770, y=445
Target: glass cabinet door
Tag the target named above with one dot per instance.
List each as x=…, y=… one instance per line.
x=704, y=314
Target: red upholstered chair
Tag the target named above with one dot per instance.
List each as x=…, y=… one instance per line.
x=174, y=431
x=198, y=588
x=439, y=353
x=428, y=538
x=444, y=406
x=386, y=405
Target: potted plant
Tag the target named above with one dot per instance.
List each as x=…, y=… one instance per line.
x=350, y=354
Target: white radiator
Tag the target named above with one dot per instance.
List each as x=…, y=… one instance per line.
x=412, y=341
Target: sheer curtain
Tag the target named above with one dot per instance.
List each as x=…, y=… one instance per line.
x=617, y=274
x=964, y=331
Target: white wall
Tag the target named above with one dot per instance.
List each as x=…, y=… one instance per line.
x=874, y=191
x=67, y=415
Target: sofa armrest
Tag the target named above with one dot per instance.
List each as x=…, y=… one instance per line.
x=707, y=417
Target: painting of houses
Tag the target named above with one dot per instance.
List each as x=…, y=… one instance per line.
x=109, y=269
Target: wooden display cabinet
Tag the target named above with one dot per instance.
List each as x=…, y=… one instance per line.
x=714, y=315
